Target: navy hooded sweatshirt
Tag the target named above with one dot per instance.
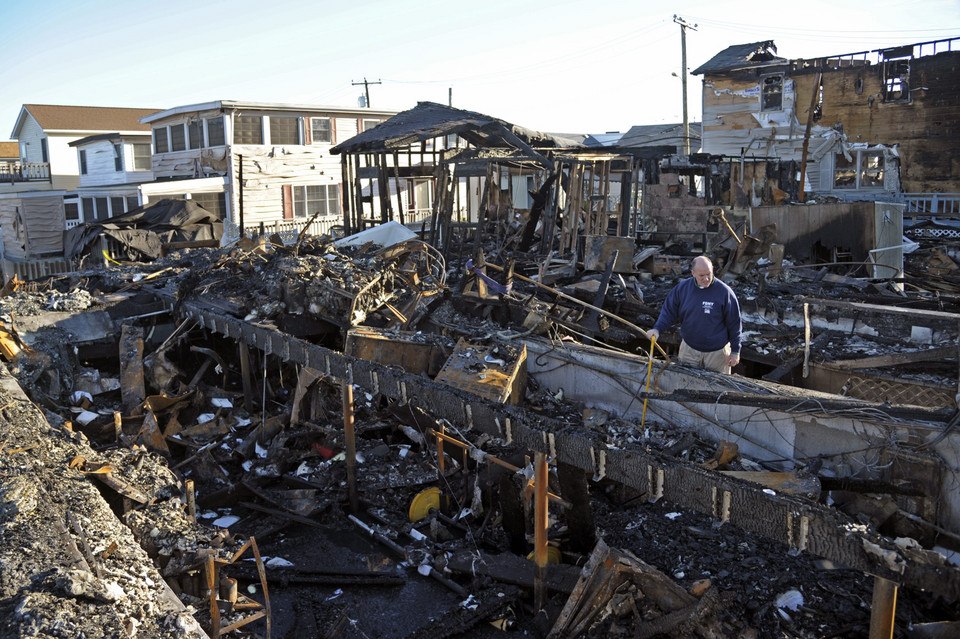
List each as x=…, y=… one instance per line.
x=709, y=317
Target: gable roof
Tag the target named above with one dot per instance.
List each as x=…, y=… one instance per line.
x=52, y=117
x=742, y=56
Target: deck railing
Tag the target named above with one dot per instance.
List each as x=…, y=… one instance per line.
x=933, y=203
x=24, y=172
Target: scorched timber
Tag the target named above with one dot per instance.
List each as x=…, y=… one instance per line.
x=797, y=523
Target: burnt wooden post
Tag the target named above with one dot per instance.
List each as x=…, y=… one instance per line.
x=245, y=377
x=351, y=442
x=580, y=524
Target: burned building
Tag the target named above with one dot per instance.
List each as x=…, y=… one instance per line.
x=867, y=125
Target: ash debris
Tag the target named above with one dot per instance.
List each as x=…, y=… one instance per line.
x=270, y=463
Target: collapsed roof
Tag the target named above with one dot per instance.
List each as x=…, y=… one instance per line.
x=145, y=230
x=429, y=120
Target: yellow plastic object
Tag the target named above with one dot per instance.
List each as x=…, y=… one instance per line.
x=554, y=556
x=424, y=502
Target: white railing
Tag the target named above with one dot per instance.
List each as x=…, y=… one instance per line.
x=932, y=203
x=288, y=230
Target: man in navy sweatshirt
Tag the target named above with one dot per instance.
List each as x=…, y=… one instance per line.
x=709, y=316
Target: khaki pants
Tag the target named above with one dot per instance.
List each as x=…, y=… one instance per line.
x=712, y=360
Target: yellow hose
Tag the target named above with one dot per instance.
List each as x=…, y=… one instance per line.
x=653, y=342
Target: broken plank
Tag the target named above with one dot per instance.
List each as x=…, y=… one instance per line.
x=895, y=359
x=280, y=513
x=132, y=389
x=124, y=488
x=514, y=569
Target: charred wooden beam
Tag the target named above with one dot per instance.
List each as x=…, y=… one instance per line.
x=896, y=359
x=795, y=522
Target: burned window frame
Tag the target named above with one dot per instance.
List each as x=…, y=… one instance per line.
x=861, y=171
x=896, y=80
x=766, y=96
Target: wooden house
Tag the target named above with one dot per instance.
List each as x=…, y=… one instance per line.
x=260, y=166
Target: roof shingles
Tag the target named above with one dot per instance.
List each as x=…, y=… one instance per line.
x=81, y=118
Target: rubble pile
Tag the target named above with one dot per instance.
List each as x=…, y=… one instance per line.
x=236, y=466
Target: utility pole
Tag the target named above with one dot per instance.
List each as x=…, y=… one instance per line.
x=684, y=25
x=366, y=88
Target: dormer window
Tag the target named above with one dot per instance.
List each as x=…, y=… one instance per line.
x=771, y=93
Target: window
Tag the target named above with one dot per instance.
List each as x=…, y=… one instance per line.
x=141, y=157
x=83, y=161
x=369, y=124
x=132, y=202
x=71, y=210
x=178, y=141
x=864, y=170
x=196, y=134
x=320, y=130
x=117, y=157
x=216, y=203
x=215, y=135
x=247, y=129
x=103, y=212
x=161, y=141
x=284, y=130
x=896, y=81
x=89, y=212
x=771, y=93
x=116, y=206
x=308, y=200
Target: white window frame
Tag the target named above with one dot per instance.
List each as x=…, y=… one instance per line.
x=858, y=166
x=304, y=208
x=329, y=132
x=139, y=157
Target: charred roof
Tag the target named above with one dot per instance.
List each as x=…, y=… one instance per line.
x=429, y=120
x=742, y=56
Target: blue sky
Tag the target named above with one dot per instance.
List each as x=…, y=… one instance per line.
x=557, y=66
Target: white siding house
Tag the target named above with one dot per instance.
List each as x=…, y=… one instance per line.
x=112, y=166
x=261, y=165
x=39, y=190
